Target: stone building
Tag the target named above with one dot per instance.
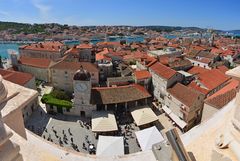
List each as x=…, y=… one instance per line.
x=143, y=77
x=185, y=103
x=23, y=79
x=208, y=82
x=63, y=72
x=104, y=64
x=163, y=78
x=220, y=99
x=86, y=53
x=39, y=67
x=88, y=98
x=169, y=51
x=81, y=53
x=52, y=50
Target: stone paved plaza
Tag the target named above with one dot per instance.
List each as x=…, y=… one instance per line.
x=77, y=130
x=77, y=137
x=53, y=128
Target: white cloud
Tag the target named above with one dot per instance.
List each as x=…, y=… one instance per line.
x=43, y=9
x=4, y=13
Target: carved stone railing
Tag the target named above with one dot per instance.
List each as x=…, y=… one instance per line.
x=8, y=150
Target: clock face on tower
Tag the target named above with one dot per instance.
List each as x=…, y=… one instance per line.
x=81, y=87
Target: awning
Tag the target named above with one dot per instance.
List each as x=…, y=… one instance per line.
x=147, y=137
x=174, y=117
x=143, y=116
x=103, y=121
x=177, y=120
x=110, y=146
x=166, y=110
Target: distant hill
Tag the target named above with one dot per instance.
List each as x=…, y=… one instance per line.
x=235, y=32
x=172, y=28
x=28, y=28
x=36, y=28
x=21, y=27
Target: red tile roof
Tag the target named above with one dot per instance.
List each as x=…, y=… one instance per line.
x=164, y=60
x=135, y=55
x=222, y=68
x=119, y=94
x=186, y=95
x=199, y=48
x=216, y=50
x=197, y=70
x=84, y=46
x=198, y=88
x=72, y=50
x=19, y=78
x=53, y=46
x=162, y=70
x=64, y=65
x=35, y=62
x=109, y=44
x=224, y=95
x=142, y=74
x=228, y=52
x=212, y=78
x=102, y=55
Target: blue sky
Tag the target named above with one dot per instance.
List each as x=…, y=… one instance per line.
x=218, y=14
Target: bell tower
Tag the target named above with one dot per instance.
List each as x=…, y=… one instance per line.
x=82, y=93
x=82, y=87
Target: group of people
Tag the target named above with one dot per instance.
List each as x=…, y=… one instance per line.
x=62, y=140
x=91, y=148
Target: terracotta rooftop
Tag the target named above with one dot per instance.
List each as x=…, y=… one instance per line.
x=84, y=46
x=197, y=70
x=212, y=78
x=142, y=74
x=148, y=61
x=72, y=50
x=64, y=65
x=222, y=68
x=224, y=95
x=199, y=48
x=162, y=70
x=134, y=55
x=202, y=60
x=53, y=46
x=102, y=55
x=228, y=52
x=216, y=50
x=120, y=94
x=19, y=78
x=165, y=60
x=198, y=88
x=180, y=63
x=35, y=62
x=109, y=44
x=186, y=95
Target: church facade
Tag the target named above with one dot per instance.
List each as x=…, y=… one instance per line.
x=82, y=86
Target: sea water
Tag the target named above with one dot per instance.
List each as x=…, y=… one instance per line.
x=6, y=48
